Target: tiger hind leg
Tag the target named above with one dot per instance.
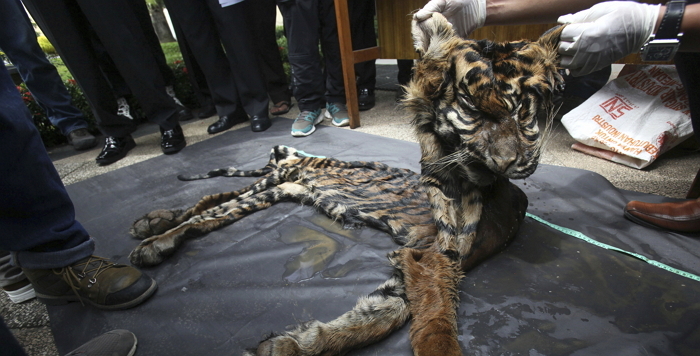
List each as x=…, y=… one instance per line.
x=159, y=221
x=373, y=318
x=155, y=249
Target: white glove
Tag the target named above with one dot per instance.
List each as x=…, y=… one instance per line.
x=608, y=31
x=464, y=15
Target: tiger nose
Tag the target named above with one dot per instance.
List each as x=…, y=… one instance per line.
x=502, y=162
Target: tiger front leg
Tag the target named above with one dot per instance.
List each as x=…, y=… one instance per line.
x=159, y=221
x=155, y=249
x=373, y=318
x=431, y=280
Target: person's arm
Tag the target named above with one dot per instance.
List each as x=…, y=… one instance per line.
x=520, y=12
x=599, y=36
x=468, y=15
x=690, y=26
x=517, y=12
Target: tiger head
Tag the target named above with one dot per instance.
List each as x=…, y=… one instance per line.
x=476, y=104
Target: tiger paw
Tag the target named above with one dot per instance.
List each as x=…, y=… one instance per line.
x=154, y=223
x=278, y=345
x=149, y=252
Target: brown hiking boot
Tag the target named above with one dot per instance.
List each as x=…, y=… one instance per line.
x=93, y=280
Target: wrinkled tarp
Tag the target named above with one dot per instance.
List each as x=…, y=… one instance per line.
x=546, y=294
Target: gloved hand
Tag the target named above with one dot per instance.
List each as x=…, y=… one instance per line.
x=608, y=31
x=464, y=15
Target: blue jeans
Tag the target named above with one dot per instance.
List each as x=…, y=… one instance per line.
x=37, y=218
x=18, y=41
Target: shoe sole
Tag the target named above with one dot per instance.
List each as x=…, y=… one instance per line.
x=319, y=120
x=365, y=107
x=62, y=300
x=129, y=146
x=21, y=295
x=343, y=123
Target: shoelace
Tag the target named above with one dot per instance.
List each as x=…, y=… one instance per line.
x=100, y=265
x=333, y=108
x=309, y=117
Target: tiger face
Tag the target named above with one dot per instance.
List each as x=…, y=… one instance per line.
x=476, y=104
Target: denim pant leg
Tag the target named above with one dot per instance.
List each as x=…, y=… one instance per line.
x=10, y=346
x=18, y=41
x=37, y=218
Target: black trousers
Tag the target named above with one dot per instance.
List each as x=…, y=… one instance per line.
x=195, y=75
x=233, y=76
x=67, y=24
x=119, y=85
x=262, y=15
x=308, y=23
x=363, y=36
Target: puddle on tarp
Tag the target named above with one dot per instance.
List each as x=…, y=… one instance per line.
x=321, y=243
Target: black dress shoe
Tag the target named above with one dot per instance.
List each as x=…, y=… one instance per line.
x=258, y=123
x=172, y=141
x=115, y=148
x=184, y=114
x=205, y=112
x=227, y=121
x=365, y=99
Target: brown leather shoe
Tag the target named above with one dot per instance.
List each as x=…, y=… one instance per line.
x=677, y=216
x=93, y=280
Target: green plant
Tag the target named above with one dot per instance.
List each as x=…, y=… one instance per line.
x=284, y=52
x=171, y=51
x=60, y=67
x=46, y=45
x=183, y=87
x=50, y=135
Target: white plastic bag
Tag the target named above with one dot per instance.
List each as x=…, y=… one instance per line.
x=634, y=118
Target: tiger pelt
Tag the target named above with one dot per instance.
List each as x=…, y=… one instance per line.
x=355, y=193
x=475, y=106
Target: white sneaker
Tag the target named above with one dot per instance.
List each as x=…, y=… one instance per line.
x=20, y=292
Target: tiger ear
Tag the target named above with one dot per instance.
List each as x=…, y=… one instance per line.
x=551, y=38
x=430, y=33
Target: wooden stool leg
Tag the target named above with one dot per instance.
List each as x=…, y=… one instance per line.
x=348, y=61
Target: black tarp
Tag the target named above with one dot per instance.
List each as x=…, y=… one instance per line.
x=547, y=294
